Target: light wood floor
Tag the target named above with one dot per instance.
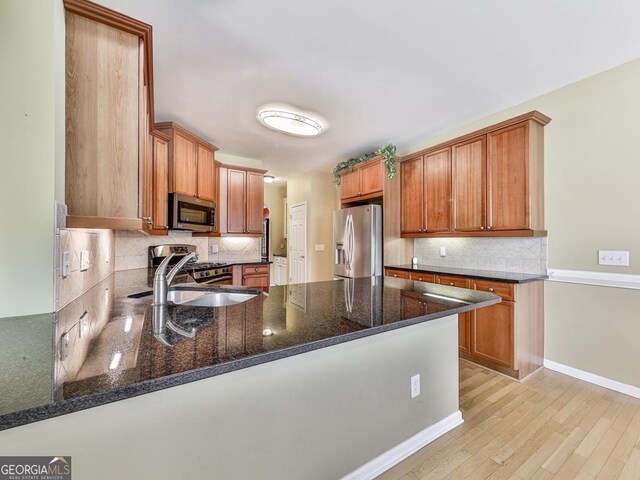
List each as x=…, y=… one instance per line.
x=550, y=427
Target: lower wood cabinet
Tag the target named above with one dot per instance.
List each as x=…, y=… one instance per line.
x=507, y=337
x=252, y=275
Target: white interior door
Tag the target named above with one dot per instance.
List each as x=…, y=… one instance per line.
x=298, y=243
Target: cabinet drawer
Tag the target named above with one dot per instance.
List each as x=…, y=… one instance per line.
x=423, y=277
x=396, y=273
x=453, y=281
x=255, y=269
x=504, y=290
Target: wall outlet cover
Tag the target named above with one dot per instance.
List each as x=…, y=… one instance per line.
x=618, y=258
x=214, y=248
x=443, y=252
x=415, y=386
x=320, y=248
x=84, y=260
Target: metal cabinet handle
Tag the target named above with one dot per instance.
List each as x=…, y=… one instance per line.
x=489, y=228
x=491, y=289
x=481, y=228
x=451, y=283
x=420, y=278
x=395, y=274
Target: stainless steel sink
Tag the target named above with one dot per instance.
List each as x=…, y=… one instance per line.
x=207, y=299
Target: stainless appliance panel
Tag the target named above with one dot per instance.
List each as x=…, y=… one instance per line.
x=358, y=241
x=191, y=213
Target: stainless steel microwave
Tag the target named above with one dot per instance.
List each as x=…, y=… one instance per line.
x=191, y=213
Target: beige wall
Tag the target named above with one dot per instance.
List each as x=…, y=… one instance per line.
x=30, y=49
x=274, y=196
x=318, y=190
x=592, y=169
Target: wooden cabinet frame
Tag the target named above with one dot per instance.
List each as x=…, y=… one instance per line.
x=510, y=174
x=363, y=182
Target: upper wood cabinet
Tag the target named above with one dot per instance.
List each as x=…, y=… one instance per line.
x=365, y=180
x=160, y=213
x=426, y=193
x=109, y=118
x=241, y=200
x=191, y=163
x=469, y=185
x=487, y=183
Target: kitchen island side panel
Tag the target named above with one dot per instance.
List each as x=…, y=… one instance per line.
x=317, y=415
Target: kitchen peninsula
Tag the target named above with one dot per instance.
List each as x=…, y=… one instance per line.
x=346, y=336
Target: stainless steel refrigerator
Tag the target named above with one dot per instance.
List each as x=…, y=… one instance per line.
x=357, y=241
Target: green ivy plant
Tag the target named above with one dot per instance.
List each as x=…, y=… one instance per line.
x=389, y=160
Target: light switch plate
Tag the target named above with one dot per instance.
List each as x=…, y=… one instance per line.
x=84, y=260
x=320, y=248
x=64, y=346
x=443, y=252
x=618, y=258
x=214, y=248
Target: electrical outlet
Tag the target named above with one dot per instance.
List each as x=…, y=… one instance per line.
x=66, y=263
x=214, y=248
x=319, y=248
x=84, y=260
x=415, y=386
x=613, y=257
x=443, y=252
x=83, y=325
x=64, y=347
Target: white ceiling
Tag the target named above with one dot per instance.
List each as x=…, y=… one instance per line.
x=380, y=72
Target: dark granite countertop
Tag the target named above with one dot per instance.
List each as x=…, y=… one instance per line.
x=106, y=346
x=507, y=277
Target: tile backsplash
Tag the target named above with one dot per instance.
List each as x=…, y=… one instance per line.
x=235, y=248
x=132, y=248
x=522, y=255
x=101, y=247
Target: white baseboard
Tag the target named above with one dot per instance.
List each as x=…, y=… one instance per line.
x=388, y=459
x=593, y=378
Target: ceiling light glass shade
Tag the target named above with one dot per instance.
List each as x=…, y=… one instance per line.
x=287, y=119
x=269, y=178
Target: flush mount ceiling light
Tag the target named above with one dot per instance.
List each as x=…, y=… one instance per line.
x=269, y=178
x=291, y=120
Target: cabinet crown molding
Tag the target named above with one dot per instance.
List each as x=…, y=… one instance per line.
x=187, y=133
x=534, y=115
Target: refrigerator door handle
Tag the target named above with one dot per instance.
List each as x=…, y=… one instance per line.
x=349, y=242
x=353, y=243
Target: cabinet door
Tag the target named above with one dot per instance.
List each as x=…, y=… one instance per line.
x=508, y=178
x=255, y=202
x=412, y=198
x=437, y=191
x=255, y=280
x=371, y=177
x=350, y=184
x=160, y=183
x=185, y=166
x=468, y=185
x=206, y=174
x=492, y=333
x=236, y=195
x=464, y=332
x=216, y=182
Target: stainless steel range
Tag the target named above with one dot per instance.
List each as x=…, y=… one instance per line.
x=200, y=272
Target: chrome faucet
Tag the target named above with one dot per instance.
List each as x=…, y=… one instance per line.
x=162, y=279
